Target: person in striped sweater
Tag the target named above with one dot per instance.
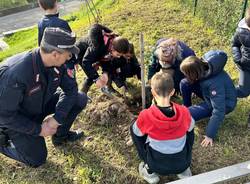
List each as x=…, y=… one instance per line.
x=163, y=134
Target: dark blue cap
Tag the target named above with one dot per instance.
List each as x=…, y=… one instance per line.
x=60, y=39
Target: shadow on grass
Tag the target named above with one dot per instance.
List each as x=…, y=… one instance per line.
x=15, y=172
x=92, y=167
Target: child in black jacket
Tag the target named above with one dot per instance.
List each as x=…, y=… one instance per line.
x=123, y=68
x=98, y=48
x=241, y=56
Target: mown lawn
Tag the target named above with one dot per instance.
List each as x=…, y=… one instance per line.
x=104, y=156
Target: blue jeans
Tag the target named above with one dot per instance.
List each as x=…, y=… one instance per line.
x=186, y=89
x=31, y=150
x=201, y=110
x=243, y=88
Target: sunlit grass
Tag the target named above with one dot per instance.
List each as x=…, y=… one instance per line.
x=106, y=158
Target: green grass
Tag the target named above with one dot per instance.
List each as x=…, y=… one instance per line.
x=105, y=158
x=79, y=22
x=6, y=4
x=222, y=15
x=19, y=42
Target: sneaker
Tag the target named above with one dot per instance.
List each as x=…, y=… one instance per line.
x=106, y=92
x=150, y=178
x=111, y=89
x=187, y=173
x=130, y=142
x=70, y=137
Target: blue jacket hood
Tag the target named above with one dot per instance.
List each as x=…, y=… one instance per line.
x=216, y=60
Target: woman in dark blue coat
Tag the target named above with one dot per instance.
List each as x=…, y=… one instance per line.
x=207, y=79
x=168, y=55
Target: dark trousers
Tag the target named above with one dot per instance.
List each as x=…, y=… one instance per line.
x=243, y=88
x=201, y=110
x=31, y=150
x=186, y=89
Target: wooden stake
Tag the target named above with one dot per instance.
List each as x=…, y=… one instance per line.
x=143, y=95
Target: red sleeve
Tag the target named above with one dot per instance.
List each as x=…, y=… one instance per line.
x=141, y=123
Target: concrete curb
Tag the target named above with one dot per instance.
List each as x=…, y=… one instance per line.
x=9, y=33
x=18, y=9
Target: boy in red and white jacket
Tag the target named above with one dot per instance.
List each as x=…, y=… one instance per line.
x=163, y=134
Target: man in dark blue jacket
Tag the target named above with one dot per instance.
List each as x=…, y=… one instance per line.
x=29, y=91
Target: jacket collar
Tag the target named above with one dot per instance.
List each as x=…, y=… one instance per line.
x=39, y=61
x=52, y=15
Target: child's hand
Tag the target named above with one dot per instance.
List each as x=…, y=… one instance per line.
x=207, y=141
x=77, y=67
x=102, y=81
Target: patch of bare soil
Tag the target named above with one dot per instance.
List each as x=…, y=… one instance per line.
x=105, y=111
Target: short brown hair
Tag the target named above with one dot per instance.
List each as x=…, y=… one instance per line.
x=121, y=45
x=247, y=17
x=193, y=68
x=162, y=84
x=47, y=4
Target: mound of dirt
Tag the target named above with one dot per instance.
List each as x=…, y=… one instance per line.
x=104, y=111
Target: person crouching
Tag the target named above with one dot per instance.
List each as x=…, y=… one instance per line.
x=163, y=134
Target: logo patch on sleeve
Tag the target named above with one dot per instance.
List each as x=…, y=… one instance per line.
x=214, y=92
x=71, y=73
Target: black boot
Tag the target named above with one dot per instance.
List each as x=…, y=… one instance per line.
x=71, y=136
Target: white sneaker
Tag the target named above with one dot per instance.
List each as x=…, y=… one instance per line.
x=150, y=178
x=129, y=142
x=187, y=173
